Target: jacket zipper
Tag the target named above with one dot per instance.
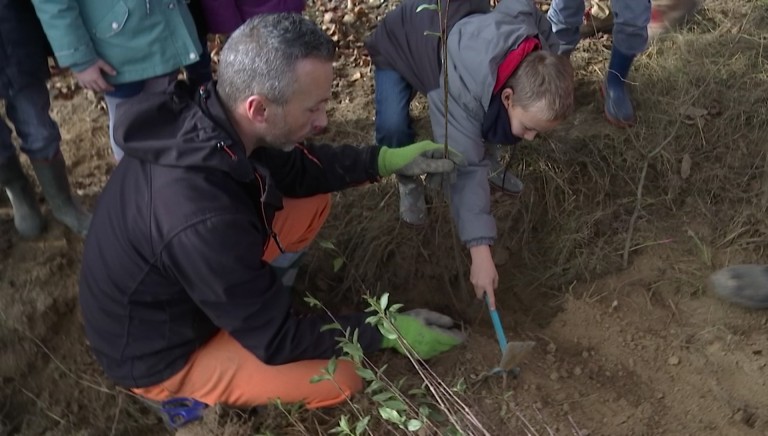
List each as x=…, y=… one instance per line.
x=271, y=231
x=221, y=145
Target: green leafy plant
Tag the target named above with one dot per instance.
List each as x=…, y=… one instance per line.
x=338, y=261
x=433, y=407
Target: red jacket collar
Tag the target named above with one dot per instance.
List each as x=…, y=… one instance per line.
x=513, y=60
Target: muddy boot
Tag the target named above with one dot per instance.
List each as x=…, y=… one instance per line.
x=181, y=415
x=745, y=285
x=26, y=212
x=501, y=177
x=413, y=206
x=618, y=106
x=52, y=176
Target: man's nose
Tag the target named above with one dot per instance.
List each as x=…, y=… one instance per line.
x=320, y=123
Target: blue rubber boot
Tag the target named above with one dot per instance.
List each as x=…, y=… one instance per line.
x=618, y=106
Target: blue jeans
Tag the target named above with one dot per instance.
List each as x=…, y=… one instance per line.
x=28, y=110
x=393, y=97
x=630, y=23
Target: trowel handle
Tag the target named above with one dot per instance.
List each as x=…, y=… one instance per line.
x=497, y=325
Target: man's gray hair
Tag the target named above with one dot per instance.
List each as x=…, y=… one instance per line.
x=260, y=57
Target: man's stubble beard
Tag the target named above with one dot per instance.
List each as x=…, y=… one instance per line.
x=281, y=138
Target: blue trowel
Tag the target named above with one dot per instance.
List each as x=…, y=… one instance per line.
x=512, y=353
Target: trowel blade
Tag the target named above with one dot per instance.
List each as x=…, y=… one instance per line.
x=514, y=354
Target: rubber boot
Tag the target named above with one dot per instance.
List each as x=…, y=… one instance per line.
x=26, y=212
x=413, y=206
x=745, y=285
x=501, y=177
x=52, y=176
x=618, y=106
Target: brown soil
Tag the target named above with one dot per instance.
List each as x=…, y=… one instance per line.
x=638, y=350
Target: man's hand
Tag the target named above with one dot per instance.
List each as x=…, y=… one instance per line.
x=483, y=273
x=93, y=79
x=425, y=157
x=428, y=333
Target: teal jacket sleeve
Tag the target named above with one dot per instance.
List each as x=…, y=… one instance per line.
x=66, y=33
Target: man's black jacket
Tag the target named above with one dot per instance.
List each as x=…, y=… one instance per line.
x=174, y=252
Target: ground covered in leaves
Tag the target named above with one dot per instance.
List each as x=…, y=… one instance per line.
x=603, y=259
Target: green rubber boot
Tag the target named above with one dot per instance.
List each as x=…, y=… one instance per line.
x=52, y=176
x=26, y=212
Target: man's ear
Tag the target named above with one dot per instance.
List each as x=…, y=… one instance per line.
x=507, y=96
x=256, y=108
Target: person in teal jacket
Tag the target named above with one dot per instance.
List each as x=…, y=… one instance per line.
x=120, y=47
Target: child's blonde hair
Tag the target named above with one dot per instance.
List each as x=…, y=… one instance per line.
x=544, y=80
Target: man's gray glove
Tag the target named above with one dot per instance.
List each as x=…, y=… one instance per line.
x=425, y=157
x=428, y=333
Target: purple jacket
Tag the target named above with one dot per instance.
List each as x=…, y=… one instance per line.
x=224, y=16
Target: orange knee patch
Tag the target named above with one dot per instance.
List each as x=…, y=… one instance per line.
x=298, y=223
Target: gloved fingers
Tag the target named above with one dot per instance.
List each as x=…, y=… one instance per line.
x=441, y=181
x=453, y=155
x=421, y=165
x=433, y=166
x=427, y=145
x=452, y=336
x=431, y=318
x=434, y=182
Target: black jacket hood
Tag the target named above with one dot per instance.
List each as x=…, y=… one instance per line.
x=157, y=129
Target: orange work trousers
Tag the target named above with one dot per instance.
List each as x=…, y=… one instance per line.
x=224, y=372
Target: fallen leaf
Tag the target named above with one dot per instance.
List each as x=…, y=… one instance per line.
x=693, y=112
